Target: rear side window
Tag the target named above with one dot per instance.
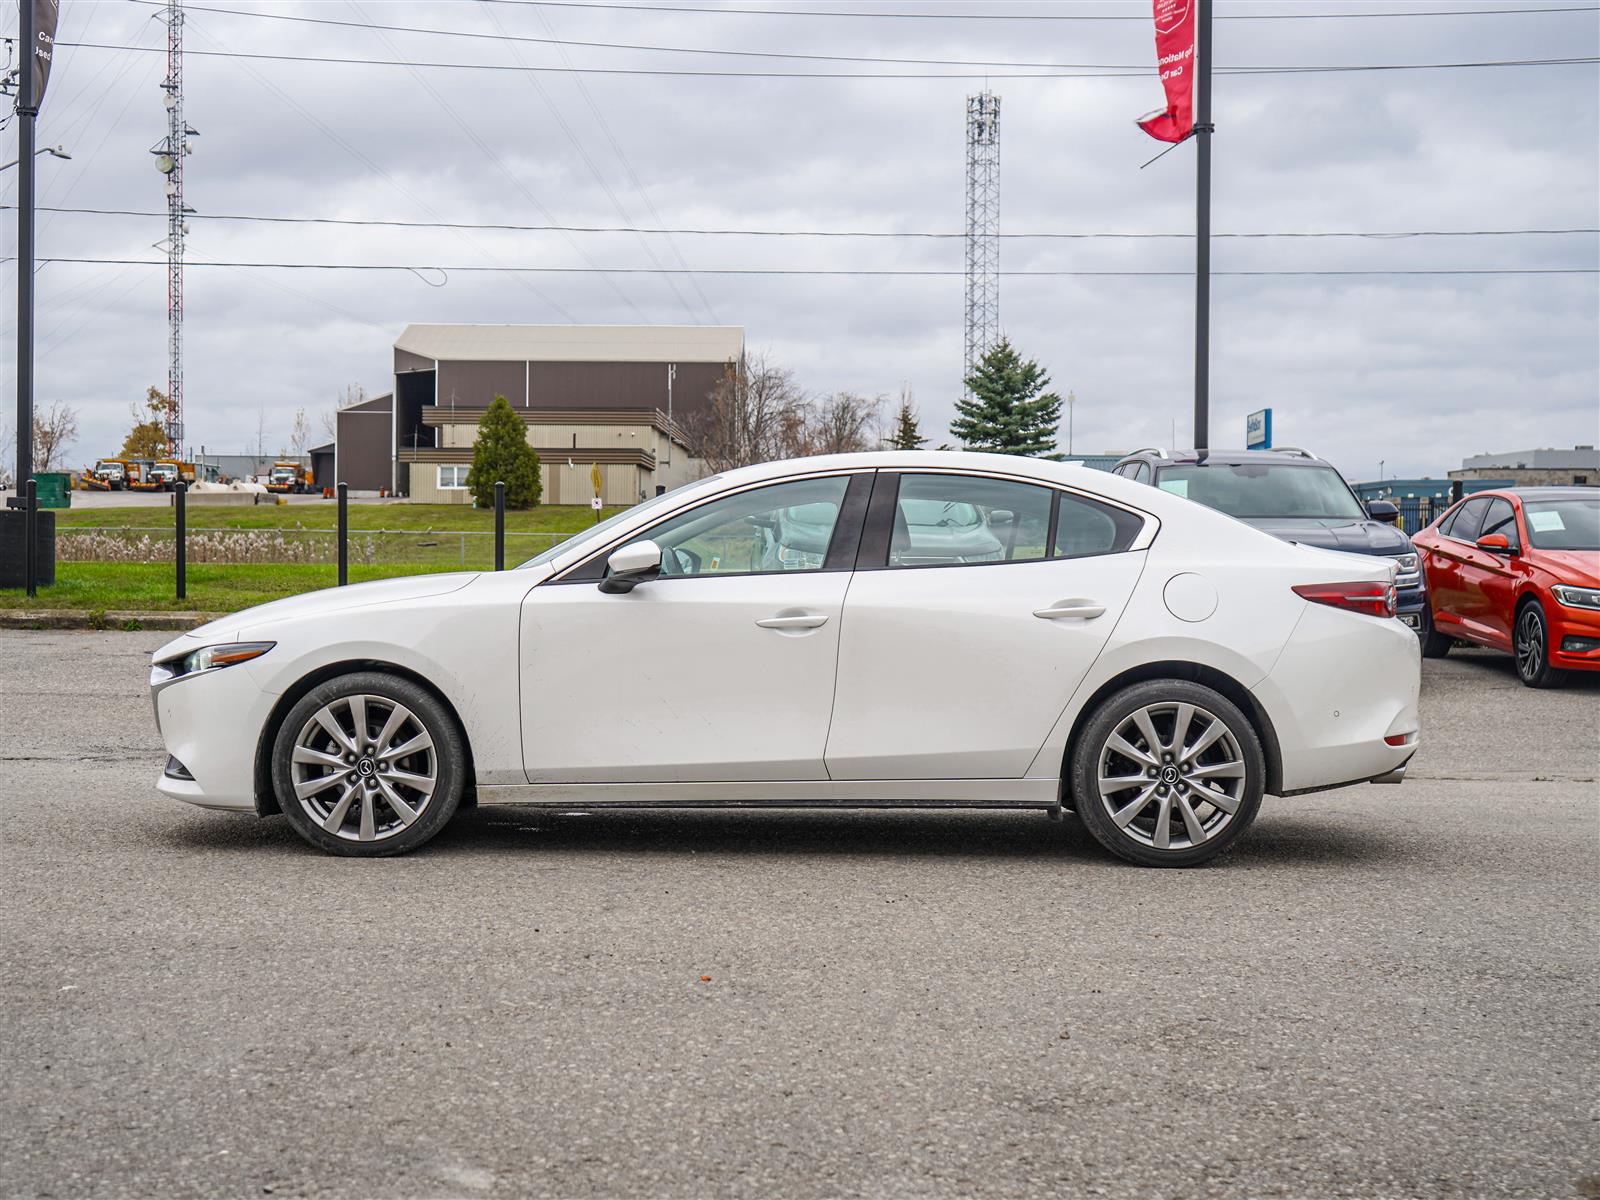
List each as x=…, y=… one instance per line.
x=1140, y=473
x=945, y=520
x=1469, y=520
x=1084, y=528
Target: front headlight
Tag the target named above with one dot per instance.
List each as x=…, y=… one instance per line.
x=1576, y=597
x=208, y=658
x=1407, y=563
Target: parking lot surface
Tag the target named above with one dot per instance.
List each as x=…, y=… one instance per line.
x=1385, y=991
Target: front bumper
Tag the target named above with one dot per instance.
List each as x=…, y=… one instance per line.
x=210, y=723
x=1411, y=606
x=1568, y=625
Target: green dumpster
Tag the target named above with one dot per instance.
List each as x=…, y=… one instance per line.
x=55, y=489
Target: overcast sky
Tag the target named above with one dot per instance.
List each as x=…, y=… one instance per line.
x=1416, y=371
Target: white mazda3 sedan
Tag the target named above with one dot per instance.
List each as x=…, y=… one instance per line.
x=897, y=629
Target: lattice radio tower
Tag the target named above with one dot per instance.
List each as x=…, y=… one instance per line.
x=983, y=229
x=170, y=153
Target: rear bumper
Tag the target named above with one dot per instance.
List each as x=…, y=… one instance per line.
x=1344, y=683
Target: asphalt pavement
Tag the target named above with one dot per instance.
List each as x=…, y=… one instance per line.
x=1385, y=991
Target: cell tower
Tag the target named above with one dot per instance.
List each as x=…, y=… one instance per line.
x=170, y=153
x=983, y=228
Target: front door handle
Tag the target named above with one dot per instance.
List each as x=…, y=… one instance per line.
x=807, y=621
x=1085, y=610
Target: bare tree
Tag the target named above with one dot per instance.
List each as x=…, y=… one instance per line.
x=54, y=429
x=299, y=433
x=752, y=415
x=844, y=423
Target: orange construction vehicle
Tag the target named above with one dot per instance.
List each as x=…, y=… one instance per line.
x=108, y=475
x=290, y=477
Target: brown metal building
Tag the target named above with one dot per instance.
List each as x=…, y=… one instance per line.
x=606, y=396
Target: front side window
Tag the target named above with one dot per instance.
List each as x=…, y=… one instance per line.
x=449, y=477
x=1263, y=490
x=944, y=520
x=1500, y=519
x=784, y=527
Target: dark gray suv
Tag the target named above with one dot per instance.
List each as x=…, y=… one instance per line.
x=1291, y=494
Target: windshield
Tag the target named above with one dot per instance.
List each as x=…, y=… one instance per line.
x=105, y=468
x=1260, y=490
x=282, y=473
x=1563, y=524
x=594, y=532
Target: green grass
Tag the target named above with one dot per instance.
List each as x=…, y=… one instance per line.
x=103, y=587
x=554, y=518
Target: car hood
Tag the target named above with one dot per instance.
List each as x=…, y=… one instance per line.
x=1581, y=568
x=331, y=600
x=1336, y=533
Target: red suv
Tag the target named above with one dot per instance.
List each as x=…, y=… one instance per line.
x=1518, y=570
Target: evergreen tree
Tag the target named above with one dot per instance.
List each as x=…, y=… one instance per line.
x=906, y=435
x=1009, y=411
x=502, y=453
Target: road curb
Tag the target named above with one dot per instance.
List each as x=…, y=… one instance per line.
x=72, y=618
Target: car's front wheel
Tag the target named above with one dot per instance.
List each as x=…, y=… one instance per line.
x=1530, y=642
x=368, y=764
x=1168, y=773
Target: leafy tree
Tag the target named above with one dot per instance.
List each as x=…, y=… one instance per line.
x=906, y=435
x=1008, y=411
x=502, y=453
x=148, y=438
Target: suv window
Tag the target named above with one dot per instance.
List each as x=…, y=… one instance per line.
x=784, y=527
x=1501, y=519
x=1263, y=490
x=1140, y=472
x=944, y=520
x=1469, y=520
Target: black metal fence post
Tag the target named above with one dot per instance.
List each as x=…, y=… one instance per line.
x=344, y=533
x=180, y=497
x=30, y=531
x=499, y=526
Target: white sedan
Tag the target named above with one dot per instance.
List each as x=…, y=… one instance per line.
x=899, y=629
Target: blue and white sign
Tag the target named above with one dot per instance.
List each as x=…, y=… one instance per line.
x=1258, y=430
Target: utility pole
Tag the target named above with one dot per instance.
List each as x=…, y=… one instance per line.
x=1072, y=400
x=983, y=230
x=170, y=153
x=27, y=120
x=1203, y=130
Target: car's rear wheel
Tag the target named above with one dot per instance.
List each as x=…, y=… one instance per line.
x=1168, y=773
x=1434, y=643
x=1530, y=642
x=368, y=764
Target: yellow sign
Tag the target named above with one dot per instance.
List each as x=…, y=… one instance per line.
x=595, y=478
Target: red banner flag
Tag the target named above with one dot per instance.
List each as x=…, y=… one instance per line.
x=1175, y=52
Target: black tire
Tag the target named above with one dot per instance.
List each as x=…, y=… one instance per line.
x=1434, y=643
x=448, y=764
x=1530, y=645
x=1137, y=838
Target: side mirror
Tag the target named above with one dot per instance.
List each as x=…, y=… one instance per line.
x=1383, y=510
x=627, y=568
x=1495, y=543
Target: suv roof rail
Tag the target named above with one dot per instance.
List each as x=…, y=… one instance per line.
x=1300, y=450
x=1156, y=450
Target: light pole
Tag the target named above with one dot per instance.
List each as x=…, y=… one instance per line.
x=58, y=151
x=1072, y=400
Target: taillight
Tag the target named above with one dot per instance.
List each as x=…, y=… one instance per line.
x=1374, y=599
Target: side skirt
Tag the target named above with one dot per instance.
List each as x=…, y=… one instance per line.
x=807, y=793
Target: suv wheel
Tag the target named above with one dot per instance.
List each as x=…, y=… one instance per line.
x=1434, y=643
x=1167, y=773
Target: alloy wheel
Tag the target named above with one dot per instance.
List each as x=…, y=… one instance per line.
x=364, y=768
x=1530, y=643
x=1171, y=775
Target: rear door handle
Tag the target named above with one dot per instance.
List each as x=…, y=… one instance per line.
x=808, y=621
x=1082, y=609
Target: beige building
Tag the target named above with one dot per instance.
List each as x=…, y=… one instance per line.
x=1544, y=467
x=615, y=398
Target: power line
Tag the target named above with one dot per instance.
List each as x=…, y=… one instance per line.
x=686, y=231
x=986, y=16
x=419, y=268
x=1109, y=73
